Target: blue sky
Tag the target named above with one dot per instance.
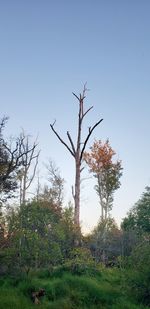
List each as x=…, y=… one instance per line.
x=49, y=49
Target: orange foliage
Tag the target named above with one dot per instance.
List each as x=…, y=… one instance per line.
x=100, y=156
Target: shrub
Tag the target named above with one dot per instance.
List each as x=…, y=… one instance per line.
x=139, y=279
x=80, y=262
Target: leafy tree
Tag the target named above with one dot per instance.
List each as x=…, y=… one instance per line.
x=32, y=231
x=8, y=165
x=138, y=218
x=80, y=262
x=39, y=234
x=77, y=151
x=105, y=242
x=106, y=171
x=70, y=230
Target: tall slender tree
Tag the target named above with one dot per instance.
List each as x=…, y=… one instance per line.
x=77, y=149
x=107, y=172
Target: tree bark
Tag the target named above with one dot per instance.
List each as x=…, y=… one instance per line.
x=77, y=195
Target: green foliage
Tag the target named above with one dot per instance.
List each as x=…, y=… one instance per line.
x=136, y=228
x=12, y=301
x=39, y=234
x=105, y=242
x=32, y=236
x=68, y=292
x=70, y=233
x=139, y=217
x=139, y=277
x=8, y=168
x=80, y=262
x=93, y=293
x=41, y=247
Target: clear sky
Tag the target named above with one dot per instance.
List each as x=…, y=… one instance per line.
x=49, y=48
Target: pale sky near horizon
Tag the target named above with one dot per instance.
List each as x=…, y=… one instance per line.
x=49, y=49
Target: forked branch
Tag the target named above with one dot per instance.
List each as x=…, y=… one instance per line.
x=61, y=140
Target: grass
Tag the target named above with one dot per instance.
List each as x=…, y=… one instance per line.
x=67, y=292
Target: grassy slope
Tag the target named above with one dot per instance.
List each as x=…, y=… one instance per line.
x=67, y=291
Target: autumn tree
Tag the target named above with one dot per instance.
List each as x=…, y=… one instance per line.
x=77, y=149
x=107, y=172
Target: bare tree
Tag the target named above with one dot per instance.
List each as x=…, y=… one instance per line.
x=27, y=172
x=12, y=155
x=78, y=150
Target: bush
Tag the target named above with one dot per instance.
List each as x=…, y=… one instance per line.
x=139, y=279
x=81, y=262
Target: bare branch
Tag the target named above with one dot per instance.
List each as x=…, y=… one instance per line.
x=54, y=122
x=87, y=111
x=82, y=169
x=88, y=136
x=34, y=170
x=84, y=90
x=28, y=155
x=2, y=123
x=61, y=140
x=71, y=142
x=13, y=162
x=76, y=96
x=15, y=155
x=31, y=157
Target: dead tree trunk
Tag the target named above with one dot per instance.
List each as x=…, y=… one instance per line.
x=77, y=194
x=78, y=151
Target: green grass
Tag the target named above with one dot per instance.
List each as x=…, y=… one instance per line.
x=68, y=292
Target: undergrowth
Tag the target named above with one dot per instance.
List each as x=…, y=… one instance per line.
x=67, y=291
